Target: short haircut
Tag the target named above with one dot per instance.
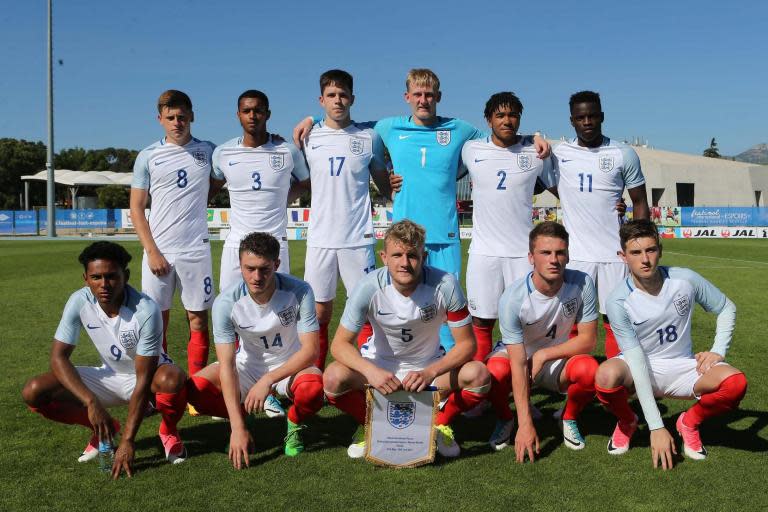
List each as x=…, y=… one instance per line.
x=337, y=77
x=407, y=233
x=549, y=229
x=640, y=228
x=422, y=77
x=584, y=97
x=502, y=99
x=260, y=244
x=173, y=99
x=105, y=251
x=253, y=93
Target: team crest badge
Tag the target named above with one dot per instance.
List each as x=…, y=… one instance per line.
x=200, y=158
x=401, y=414
x=606, y=163
x=443, y=137
x=287, y=316
x=128, y=339
x=428, y=312
x=569, y=308
x=682, y=305
x=277, y=161
x=356, y=146
x=524, y=162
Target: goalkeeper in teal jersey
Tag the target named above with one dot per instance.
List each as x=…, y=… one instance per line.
x=425, y=150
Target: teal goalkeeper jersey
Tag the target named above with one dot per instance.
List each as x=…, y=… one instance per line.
x=427, y=157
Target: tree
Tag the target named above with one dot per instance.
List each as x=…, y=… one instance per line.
x=712, y=151
x=72, y=159
x=113, y=196
x=19, y=158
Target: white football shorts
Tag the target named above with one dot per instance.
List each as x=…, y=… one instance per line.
x=487, y=276
x=606, y=276
x=112, y=388
x=323, y=266
x=672, y=378
x=549, y=376
x=190, y=271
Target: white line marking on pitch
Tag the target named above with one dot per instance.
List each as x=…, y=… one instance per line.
x=716, y=258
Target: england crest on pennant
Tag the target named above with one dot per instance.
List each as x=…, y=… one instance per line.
x=128, y=339
x=443, y=137
x=606, y=163
x=569, y=308
x=276, y=161
x=524, y=162
x=401, y=414
x=682, y=305
x=200, y=158
x=356, y=146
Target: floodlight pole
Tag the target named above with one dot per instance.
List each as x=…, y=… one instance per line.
x=51, y=186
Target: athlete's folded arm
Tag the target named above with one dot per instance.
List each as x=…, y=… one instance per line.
x=583, y=343
x=300, y=360
x=461, y=353
x=726, y=322
x=344, y=350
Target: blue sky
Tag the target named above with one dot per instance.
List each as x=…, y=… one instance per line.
x=675, y=73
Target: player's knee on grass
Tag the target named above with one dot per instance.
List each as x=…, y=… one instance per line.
x=169, y=378
x=612, y=373
x=581, y=369
x=32, y=392
x=336, y=379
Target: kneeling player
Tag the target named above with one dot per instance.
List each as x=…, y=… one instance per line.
x=536, y=314
x=406, y=303
x=272, y=317
x=127, y=329
x=651, y=316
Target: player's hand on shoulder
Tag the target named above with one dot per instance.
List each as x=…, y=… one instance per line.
x=384, y=381
x=663, y=449
x=301, y=132
x=124, y=456
x=706, y=360
x=158, y=264
x=395, y=183
x=543, y=149
x=257, y=395
x=526, y=443
x=417, y=380
x=239, y=446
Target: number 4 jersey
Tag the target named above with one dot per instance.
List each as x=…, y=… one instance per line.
x=178, y=179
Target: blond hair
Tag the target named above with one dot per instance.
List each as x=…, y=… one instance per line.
x=406, y=232
x=422, y=77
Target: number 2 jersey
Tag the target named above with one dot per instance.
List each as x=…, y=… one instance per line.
x=405, y=329
x=268, y=333
x=258, y=180
x=340, y=162
x=503, y=180
x=661, y=323
x=590, y=183
x=539, y=321
x=136, y=330
x=178, y=180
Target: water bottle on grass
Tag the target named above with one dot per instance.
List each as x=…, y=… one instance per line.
x=106, y=455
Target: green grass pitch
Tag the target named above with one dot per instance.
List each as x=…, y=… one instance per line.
x=38, y=468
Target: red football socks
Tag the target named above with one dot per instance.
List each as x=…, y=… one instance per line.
x=725, y=398
x=206, y=397
x=307, y=391
x=352, y=403
x=64, y=412
x=501, y=386
x=611, y=345
x=171, y=406
x=323, y=354
x=197, y=351
x=484, y=337
x=616, y=400
x=580, y=371
x=458, y=402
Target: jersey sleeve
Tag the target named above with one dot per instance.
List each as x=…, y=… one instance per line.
x=216, y=172
x=356, y=309
x=632, y=174
x=150, y=328
x=621, y=324
x=509, y=314
x=306, y=319
x=223, y=328
x=378, y=161
x=141, y=171
x=456, y=303
x=69, y=326
x=588, y=310
x=708, y=295
x=300, y=171
x=548, y=175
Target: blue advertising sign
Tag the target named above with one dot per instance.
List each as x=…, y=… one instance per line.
x=724, y=216
x=25, y=222
x=6, y=222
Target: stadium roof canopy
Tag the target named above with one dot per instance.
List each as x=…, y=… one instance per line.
x=76, y=179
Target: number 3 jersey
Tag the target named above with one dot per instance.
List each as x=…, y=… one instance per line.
x=661, y=323
x=136, y=330
x=590, y=181
x=340, y=162
x=503, y=180
x=539, y=321
x=405, y=329
x=178, y=180
x=268, y=333
x=258, y=180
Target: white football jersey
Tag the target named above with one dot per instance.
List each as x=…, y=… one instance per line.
x=406, y=330
x=661, y=324
x=528, y=316
x=268, y=333
x=590, y=181
x=339, y=163
x=503, y=180
x=258, y=180
x=178, y=180
x=136, y=330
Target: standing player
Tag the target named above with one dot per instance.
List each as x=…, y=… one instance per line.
x=259, y=169
x=272, y=317
x=406, y=302
x=176, y=172
x=593, y=172
x=504, y=171
x=342, y=156
x=651, y=313
x=536, y=315
x=127, y=329
x=425, y=150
